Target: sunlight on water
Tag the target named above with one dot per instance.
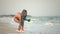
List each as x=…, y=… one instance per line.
x=49, y=24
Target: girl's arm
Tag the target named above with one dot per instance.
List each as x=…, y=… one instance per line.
x=16, y=19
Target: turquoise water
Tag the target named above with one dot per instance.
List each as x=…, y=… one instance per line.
x=53, y=19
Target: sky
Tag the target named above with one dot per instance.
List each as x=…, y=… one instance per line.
x=33, y=7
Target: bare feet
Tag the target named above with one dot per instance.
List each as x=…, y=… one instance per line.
x=21, y=30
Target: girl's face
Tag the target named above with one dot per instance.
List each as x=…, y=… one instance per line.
x=25, y=13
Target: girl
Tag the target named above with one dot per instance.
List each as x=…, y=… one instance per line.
x=20, y=17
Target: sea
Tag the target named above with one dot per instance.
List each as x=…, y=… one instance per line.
x=37, y=25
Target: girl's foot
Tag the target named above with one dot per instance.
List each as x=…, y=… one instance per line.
x=21, y=30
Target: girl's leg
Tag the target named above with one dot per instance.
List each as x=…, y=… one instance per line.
x=19, y=27
x=22, y=28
